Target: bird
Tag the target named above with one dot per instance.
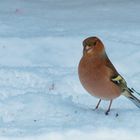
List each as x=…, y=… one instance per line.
x=99, y=77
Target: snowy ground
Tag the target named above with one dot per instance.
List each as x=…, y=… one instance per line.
x=40, y=48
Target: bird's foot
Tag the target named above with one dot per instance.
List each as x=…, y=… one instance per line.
x=94, y=109
x=107, y=112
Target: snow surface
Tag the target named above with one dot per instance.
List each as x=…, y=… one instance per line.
x=40, y=48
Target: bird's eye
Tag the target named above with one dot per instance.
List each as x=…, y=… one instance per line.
x=95, y=43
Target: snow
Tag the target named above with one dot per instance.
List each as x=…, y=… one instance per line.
x=40, y=48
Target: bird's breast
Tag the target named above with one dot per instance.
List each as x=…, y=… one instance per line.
x=95, y=78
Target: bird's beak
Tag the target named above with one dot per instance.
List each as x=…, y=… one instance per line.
x=88, y=49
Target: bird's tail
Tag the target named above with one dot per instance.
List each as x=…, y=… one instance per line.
x=129, y=94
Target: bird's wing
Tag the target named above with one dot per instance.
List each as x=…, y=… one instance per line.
x=116, y=78
x=111, y=66
x=119, y=80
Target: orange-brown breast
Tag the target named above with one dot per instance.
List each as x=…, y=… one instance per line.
x=95, y=77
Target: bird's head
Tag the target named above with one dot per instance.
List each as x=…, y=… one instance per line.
x=92, y=46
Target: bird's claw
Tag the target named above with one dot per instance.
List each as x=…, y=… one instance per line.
x=106, y=113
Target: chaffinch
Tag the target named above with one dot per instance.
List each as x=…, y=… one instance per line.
x=98, y=75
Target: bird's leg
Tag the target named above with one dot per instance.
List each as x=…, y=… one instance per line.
x=98, y=104
x=106, y=113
